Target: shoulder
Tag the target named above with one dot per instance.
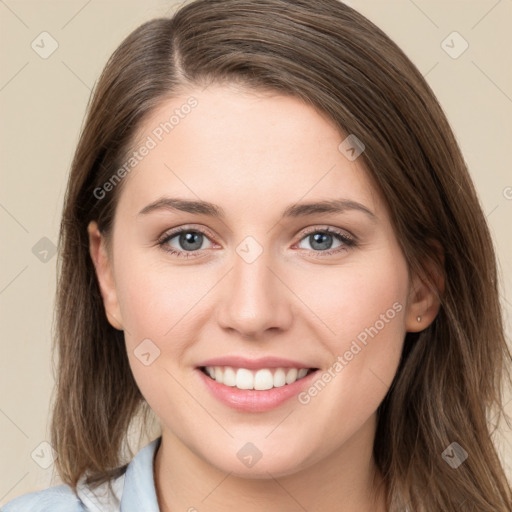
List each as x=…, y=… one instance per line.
x=140, y=491
x=60, y=498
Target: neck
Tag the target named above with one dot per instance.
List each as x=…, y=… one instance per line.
x=344, y=481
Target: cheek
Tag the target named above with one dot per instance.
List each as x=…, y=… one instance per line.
x=157, y=304
x=351, y=300
x=154, y=298
x=369, y=322
x=364, y=309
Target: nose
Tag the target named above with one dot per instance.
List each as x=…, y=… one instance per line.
x=254, y=299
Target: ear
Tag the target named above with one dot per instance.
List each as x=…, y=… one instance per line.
x=424, y=302
x=103, y=267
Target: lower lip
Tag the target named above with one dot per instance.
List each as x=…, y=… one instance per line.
x=251, y=400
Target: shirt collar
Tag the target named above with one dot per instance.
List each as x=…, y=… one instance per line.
x=139, y=492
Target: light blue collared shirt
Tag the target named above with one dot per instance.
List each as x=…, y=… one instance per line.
x=134, y=492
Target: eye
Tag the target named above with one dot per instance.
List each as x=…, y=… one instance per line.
x=187, y=242
x=321, y=241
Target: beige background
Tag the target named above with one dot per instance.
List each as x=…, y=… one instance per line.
x=42, y=103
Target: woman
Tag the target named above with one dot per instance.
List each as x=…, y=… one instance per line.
x=332, y=339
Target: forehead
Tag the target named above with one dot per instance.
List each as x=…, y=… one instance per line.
x=244, y=149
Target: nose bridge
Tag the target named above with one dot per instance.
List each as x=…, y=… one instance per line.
x=255, y=300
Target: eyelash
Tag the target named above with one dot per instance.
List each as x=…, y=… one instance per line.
x=347, y=240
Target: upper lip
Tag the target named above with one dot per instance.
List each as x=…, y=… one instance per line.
x=262, y=362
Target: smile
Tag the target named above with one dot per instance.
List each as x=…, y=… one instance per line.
x=259, y=380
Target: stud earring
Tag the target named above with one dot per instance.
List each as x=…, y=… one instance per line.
x=418, y=318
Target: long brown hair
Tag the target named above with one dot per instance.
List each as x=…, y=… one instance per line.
x=451, y=374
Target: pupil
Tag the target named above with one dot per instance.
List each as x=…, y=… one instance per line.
x=320, y=238
x=188, y=238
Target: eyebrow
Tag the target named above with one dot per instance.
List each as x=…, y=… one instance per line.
x=292, y=211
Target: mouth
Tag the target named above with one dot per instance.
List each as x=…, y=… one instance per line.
x=261, y=379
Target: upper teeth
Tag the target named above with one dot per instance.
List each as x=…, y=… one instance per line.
x=242, y=378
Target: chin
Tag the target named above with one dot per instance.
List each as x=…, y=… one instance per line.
x=246, y=460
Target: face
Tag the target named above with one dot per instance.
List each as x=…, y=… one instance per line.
x=257, y=290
